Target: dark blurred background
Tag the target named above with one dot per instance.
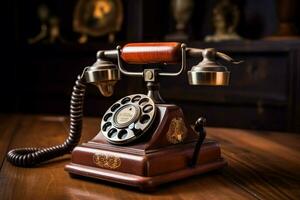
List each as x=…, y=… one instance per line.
x=37, y=78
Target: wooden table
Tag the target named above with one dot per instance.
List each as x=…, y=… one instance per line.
x=262, y=165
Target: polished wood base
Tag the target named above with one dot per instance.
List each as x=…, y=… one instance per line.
x=149, y=170
x=164, y=155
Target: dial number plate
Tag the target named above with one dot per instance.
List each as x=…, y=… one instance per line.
x=128, y=119
x=126, y=115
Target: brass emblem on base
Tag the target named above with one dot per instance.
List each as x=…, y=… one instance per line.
x=177, y=131
x=106, y=161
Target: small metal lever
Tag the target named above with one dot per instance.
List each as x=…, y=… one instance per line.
x=228, y=58
x=210, y=54
x=199, y=128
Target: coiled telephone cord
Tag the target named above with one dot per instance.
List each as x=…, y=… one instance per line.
x=27, y=157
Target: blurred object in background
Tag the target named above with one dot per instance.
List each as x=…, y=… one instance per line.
x=97, y=18
x=181, y=11
x=50, y=31
x=263, y=93
x=286, y=11
x=226, y=16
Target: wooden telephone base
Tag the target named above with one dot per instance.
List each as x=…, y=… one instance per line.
x=162, y=157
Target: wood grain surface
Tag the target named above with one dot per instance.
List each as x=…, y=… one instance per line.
x=262, y=165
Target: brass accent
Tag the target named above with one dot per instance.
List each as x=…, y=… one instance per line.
x=208, y=71
x=106, y=161
x=149, y=75
x=94, y=75
x=177, y=131
x=126, y=115
x=208, y=78
x=103, y=74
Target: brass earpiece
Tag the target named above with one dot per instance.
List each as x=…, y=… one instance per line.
x=208, y=71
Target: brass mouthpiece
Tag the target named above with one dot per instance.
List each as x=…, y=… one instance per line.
x=104, y=75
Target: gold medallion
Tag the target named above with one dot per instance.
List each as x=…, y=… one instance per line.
x=177, y=131
x=106, y=161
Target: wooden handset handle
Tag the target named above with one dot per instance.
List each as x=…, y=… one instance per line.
x=157, y=52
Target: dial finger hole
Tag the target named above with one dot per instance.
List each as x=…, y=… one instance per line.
x=125, y=100
x=144, y=101
x=106, y=126
x=136, y=98
x=115, y=107
x=112, y=133
x=107, y=116
x=144, y=119
x=148, y=108
x=122, y=134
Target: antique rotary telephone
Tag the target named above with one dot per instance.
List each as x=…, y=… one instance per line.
x=143, y=141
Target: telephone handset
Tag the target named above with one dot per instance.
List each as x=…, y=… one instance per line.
x=143, y=141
